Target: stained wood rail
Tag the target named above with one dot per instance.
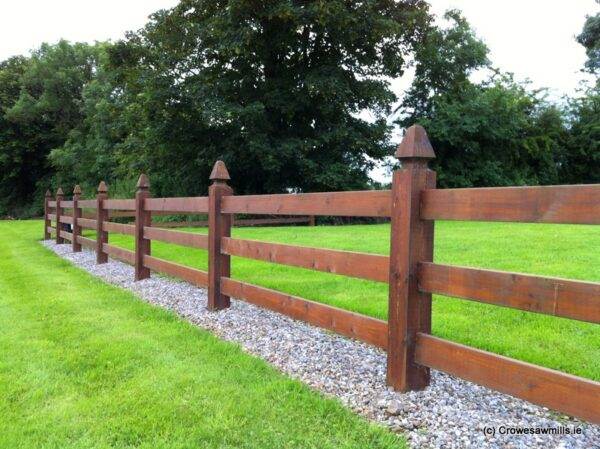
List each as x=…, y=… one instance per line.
x=571, y=394
x=119, y=204
x=195, y=205
x=88, y=243
x=52, y=217
x=87, y=223
x=118, y=228
x=88, y=204
x=360, y=265
x=551, y=296
x=66, y=219
x=177, y=237
x=66, y=235
x=370, y=203
x=119, y=253
x=191, y=275
x=577, y=204
x=364, y=328
x=52, y=203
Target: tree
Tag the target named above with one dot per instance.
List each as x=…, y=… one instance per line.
x=273, y=88
x=590, y=39
x=15, y=156
x=581, y=163
x=444, y=59
x=41, y=99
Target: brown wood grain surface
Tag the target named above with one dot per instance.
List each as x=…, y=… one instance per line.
x=353, y=325
x=66, y=219
x=573, y=395
x=361, y=265
x=87, y=223
x=119, y=204
x=122, y=254
x=118, y=228
x=576, y=204
x=87, y=204
x=551, y=296
x=191, y=275
x=193, y=205
x=66, y=235
x=88, y=243
x=177, y=237
x=368, y=203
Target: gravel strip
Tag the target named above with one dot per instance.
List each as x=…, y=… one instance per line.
x=450, y=413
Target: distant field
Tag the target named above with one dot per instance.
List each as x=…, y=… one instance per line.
x=86, y=365
x=554, y=250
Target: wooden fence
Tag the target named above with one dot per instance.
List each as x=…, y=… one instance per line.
x=413, y=204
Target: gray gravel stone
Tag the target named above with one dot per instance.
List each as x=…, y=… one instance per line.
x=450, y=413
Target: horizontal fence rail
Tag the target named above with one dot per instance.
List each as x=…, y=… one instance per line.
x=179, y=238
x=191, y=205
x=553, y=389
x=367, y=329
x=191, y=275
x=360, y=265
x=578, y=204
x=375, y=203
x=551, y=296
x=413, y=204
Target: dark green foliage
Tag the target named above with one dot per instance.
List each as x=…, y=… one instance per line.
x=40, y=104
x=590, y=39
x=272, y=88
x=492, y=133
x=279, y=91
x=582, y=156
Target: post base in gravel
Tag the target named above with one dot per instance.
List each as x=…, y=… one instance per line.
x=411, y=244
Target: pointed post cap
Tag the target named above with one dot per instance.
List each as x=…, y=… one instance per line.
x=415, y=144
x=77, y=190
x=143, y=182
x=59, y=192
x=219, y=172
x=102, y=187
x=48, y=194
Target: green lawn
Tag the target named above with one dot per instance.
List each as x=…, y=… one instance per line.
x=87, y=365
x=554, y=250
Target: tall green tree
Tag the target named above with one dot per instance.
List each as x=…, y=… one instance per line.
x=590, y=39
x=274, y=88
x=41, y=104
x=581, y=164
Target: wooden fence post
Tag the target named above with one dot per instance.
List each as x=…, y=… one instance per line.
x=219, y=226
x=47, y=222
x=411, y=243
x=101, y=216
x=59, y=198
x=76, y=216
x=142, y=218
